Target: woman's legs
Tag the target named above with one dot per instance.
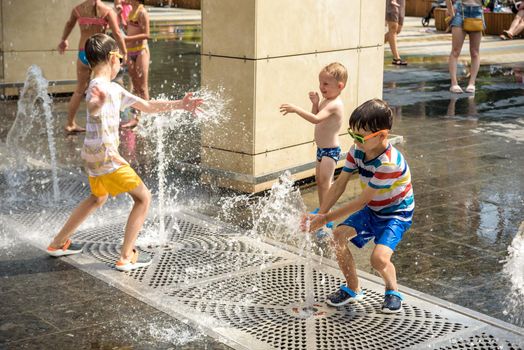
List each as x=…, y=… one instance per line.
x=83, y=74
x=474, y=51
x=391, y=38
x=517, y=23
x=142, y=70
x=457, y=40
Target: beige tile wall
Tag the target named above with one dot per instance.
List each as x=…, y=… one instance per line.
x=289, y=41
x=289, y=80
x=31, y=31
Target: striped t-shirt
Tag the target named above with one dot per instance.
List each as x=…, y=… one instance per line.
x=389, y=173
x=100, y=150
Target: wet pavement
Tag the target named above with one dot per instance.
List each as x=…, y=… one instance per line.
x=465, y=152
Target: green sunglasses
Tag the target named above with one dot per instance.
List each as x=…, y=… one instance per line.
x=362, y=139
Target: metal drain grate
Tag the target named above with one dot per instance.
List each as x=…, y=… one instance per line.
x=109, y=255
x=254, y=293
x=272, y=326
x=363, y=332
x=186, y=266
x=281, y=286
x=482, y=342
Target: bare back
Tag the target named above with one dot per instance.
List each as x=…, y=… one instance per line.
x=326, y=132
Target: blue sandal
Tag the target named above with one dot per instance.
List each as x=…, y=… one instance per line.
x=392, y=302
x=343, y=296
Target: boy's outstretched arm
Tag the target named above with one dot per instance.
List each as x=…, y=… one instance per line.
x=355, y=205
x=310, y=117
x=188, y=103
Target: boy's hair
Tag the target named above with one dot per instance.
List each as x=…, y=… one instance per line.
x=98, y=47
x=372, y=115
x=337, y=71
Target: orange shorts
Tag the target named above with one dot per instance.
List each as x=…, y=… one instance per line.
x=124, y=179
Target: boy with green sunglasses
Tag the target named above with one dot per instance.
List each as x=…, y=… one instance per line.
x=382, y=212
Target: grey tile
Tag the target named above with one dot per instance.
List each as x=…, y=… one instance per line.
x=20, y=326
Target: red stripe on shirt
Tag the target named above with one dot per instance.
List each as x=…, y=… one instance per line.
x=385, y=202
x=350, y=159
x=382, y=176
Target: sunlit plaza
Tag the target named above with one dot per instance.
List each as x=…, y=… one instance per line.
x=225, y=252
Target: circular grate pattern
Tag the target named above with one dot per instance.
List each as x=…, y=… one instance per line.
x=235, y=281
x=363, y=331
x=325, y=284
x=109, y=255
x=482, y=342
x=185, y=266
x=213, y=242
x=111, y=233
x=276, y=287
x=272, y=326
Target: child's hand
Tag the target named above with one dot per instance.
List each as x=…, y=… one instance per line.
x=314, y=98
x=63, y=46
x=312, y=222
x=191, y=104
x=98, y=97
x=288, y=108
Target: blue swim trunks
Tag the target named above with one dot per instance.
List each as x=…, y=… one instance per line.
x=468, y=12
x=369, y=226
x=333, y=153
x=82, y=57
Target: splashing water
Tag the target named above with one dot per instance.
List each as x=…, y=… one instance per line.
x=33, y=102
x=278, y=216
x=514, y=269
x=161, y=127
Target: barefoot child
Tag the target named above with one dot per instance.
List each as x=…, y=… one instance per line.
x=327, y=117
x=108, y=172
x=93, y=16
x=383, y=211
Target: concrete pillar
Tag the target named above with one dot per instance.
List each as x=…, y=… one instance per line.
x=30, y=32
x=267, y=52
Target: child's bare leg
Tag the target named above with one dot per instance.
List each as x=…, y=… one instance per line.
x=142, y=198
x=82, y=75
x=325, y=170
x=381, y=261
x=345, y=260
x=77, y=217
